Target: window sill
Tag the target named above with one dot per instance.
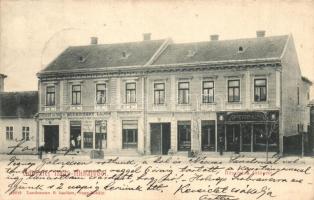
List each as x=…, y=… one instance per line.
x=260, y=102
x=50, y=108
x=233, y=102
x=209, y=103
x=76, y=107
x=160, y=105
x=184, y=105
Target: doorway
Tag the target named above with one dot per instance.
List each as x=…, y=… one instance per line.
x=51, y=138
x=233, y=137
x=75, y=134
x=160, y=138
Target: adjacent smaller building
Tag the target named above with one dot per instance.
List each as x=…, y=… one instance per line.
x=17, y=120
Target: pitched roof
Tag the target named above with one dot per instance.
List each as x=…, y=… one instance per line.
x=105, y=55
x=224, y=50
x=18, y=104
x=139, y=53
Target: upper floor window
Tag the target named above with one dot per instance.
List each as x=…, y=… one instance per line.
x=130, y=92
x=159, y=93
x=101, y=93
x=208, y=91
x=183, y=93
x=25, y=133
x=76, y=94
x=9, y=132
x=50, y=95
x=233, y=90
x=260, y=90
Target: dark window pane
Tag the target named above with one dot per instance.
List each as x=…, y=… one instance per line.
x=88, y=140
x=260, y=90
x=208, y=135
x=129, y=134
x=184, y=135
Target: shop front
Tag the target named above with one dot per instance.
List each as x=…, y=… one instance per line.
x=88, y=134
x=249, y=131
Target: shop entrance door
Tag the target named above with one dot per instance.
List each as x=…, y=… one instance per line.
x=160, y=138
x=233, y=137
x=51, y=138
x=75, y=134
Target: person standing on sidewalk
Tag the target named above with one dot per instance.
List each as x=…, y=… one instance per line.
x=221, y=145
x=236, y=145
x=40, y=150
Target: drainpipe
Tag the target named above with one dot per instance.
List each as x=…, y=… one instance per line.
x=37, y=117
x=145, y=111
x=281, y=147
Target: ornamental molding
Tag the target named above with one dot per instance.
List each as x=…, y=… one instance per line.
x=137, y=72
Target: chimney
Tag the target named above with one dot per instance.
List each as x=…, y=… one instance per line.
x=214, y=37
x=146, y=36
x=2, y=77
x=260, y=33
x=93, y=40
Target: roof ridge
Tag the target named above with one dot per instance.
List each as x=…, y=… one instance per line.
x=237, y=39
x=132, y=42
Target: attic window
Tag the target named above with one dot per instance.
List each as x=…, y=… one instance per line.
x=81, y=59
x=240, y=49
x=124, y=55
x=191, y=53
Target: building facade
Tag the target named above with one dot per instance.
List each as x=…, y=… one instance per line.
x=160, y=97
x=18, y=125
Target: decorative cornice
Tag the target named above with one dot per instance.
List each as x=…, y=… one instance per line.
x=140, y=71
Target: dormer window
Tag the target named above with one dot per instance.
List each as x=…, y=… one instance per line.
x=124, y=55
x=241, y=49
x=81, y=59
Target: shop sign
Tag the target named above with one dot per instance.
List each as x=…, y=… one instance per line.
x=247, y=116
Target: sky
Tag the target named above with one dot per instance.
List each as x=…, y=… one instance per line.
x=33, y=32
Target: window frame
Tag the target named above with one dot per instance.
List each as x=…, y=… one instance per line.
x=48, y=94
x=205, y=99
x=25, y=133
x=233, y=91
x=126, y=132
x=256, y=86
x=9, y=131
x=129, y=92
x=161, y=101
x=102, y=125
x=76, y=93
x=104, y=95
x=184, y=137
x=184, y=90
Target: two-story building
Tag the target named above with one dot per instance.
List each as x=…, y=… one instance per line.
x=157, y=96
